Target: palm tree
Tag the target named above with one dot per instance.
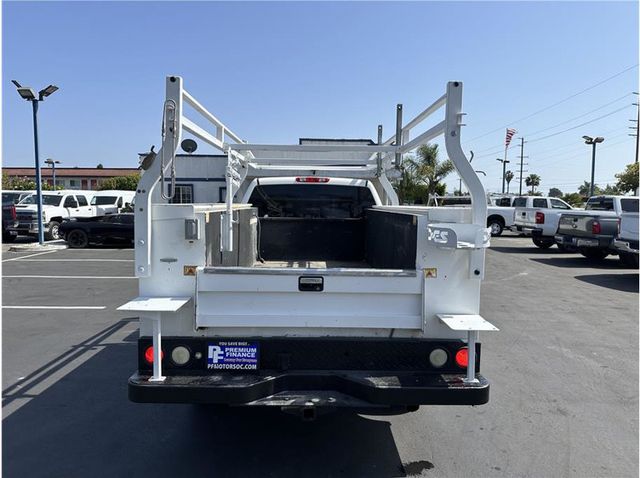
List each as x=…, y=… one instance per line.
x=533, y=181
x=430, y=170
x=508, y=176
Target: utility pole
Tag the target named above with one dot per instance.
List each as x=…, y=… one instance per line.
x=637, y=128
x=521, y=164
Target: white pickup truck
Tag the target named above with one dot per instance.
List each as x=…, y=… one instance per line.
x=499, y=210
x=111, y=201
x=310, y=287
x=538, y=217
x=626, y=243
x=56, y=206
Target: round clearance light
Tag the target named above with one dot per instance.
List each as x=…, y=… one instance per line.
x=180, y=355
x=148, y=354
x=462, y=357
x=438, y=357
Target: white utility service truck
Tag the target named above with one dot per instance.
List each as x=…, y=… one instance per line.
x=310, y=288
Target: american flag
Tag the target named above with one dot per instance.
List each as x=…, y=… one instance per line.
x=510, y=133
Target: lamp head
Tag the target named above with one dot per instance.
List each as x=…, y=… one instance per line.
x=43, y=93
x=27, y=93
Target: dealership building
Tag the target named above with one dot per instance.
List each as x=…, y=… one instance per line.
x=71, y=178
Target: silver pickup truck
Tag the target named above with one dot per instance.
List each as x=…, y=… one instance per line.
x=593, y=230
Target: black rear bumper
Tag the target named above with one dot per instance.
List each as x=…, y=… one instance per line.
x=339, y=372
x=291, y=388
x=596, y=242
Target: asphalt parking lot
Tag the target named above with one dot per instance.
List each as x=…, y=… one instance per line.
x=564, y=397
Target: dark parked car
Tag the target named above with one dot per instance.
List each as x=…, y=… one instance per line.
x=80, y=232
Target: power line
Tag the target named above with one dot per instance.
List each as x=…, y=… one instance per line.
x=582, y=115
x=580, y=125
x=564, y=122
x=578, y=149
x=557, y=103
x=563, y=131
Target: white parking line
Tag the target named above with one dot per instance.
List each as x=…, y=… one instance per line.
x=30, y=255
x=61, y=307
x=78, y=260
x=68, y=277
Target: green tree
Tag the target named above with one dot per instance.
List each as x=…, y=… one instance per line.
x=14, y=183
x=508, y=177
x=585, y=189
x=555, y=193
x=628, y=179
x=430, y=171
x=122, y=183
x=422, y=176
x=533, y=181
x=99, y=166
x=611, y=190
x=575, y=199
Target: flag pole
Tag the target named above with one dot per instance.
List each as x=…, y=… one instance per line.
x=504, y=164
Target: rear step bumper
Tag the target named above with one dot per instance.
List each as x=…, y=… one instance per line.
x=320, y=388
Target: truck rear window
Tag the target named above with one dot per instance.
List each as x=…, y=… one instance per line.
x=103, y=200
x=599, y=204
x=520, y=202
x=313, y=201
x=629, y=205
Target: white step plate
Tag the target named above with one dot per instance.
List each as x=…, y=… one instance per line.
x=466, y=322
x=155, y=304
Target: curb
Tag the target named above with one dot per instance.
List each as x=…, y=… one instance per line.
x=37, y=247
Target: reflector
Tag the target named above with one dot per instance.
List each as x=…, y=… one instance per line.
x=462, y=357
x=148, y=354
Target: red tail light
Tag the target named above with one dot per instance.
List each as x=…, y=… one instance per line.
x=539, y=217
x=148, y=354
x=13, y=212
x=595, y=227
x=462, y=357
x=312, y=179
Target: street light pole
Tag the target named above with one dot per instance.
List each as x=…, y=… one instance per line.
x=593, y=142
x=52, y=163
x=34, y=103
x=29, y=94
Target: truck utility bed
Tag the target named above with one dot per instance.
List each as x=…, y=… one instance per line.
x=310, y=285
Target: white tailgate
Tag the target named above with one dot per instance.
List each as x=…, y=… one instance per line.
x=525, y=216
x=354, y=298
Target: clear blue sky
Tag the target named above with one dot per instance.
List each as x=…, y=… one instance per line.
x=278, y=71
